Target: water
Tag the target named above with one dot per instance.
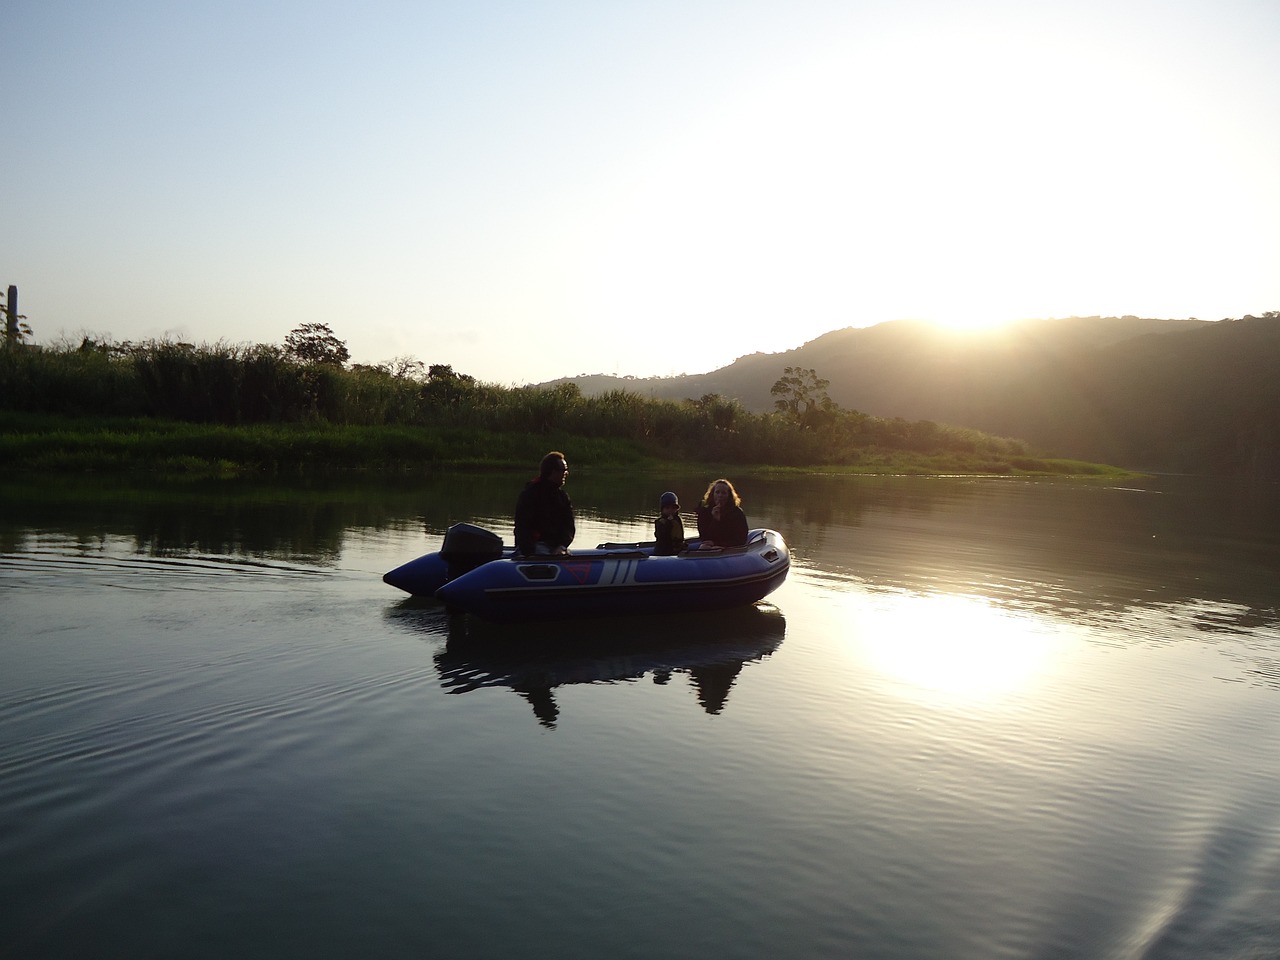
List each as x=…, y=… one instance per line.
x=982, y=719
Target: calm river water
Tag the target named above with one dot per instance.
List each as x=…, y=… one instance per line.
x=982, y=719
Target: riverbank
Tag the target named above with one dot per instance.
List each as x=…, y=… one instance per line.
x=134, y=445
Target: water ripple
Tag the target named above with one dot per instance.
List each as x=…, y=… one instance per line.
x=58, y=569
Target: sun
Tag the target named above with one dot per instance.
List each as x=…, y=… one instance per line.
x=969, y=320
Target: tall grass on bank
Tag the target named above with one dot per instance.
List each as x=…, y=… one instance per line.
x=52, y=443
x=420, y=419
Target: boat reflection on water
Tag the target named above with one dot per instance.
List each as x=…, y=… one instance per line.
x=532, y=660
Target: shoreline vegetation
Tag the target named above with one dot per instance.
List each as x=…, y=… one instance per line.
x=39, y=443
x=227, y=410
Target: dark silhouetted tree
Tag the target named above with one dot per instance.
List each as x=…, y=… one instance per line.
x=446, y=386
x=444, y=373
x=316, y=343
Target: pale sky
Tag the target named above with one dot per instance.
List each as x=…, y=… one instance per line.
x=529, y=190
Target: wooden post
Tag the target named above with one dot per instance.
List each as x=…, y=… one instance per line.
x=11, y=315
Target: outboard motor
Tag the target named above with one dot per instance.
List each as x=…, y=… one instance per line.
x=467, y=546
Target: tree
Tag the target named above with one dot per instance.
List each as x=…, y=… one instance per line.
x=444, y=373
x=722, y=412
x=406, y=368
x=446, y=386
x=316, y=343
x=802, y=396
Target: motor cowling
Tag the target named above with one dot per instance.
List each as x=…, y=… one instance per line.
x=467, y=546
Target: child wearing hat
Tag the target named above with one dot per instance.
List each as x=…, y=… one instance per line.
x=668, y=529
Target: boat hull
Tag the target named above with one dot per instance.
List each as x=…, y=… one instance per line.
x=611, y=580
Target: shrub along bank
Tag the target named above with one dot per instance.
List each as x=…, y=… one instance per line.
x=231, y=407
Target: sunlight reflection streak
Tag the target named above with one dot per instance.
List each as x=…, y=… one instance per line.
x=961, y=647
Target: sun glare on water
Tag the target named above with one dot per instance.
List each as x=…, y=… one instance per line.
x=960, y=647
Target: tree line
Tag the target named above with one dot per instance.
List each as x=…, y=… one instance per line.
x=308, y=379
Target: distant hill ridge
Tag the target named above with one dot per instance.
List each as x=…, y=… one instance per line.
x=1176, y=395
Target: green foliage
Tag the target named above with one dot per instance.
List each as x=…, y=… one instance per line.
x=85, y=380
x=719, y=413
x=44, y=442
x=296, y=413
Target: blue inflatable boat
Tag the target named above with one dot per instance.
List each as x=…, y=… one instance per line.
x=474, y=573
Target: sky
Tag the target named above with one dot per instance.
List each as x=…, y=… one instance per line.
x=530, y=190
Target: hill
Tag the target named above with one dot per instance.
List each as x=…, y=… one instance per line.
x=1165, y=395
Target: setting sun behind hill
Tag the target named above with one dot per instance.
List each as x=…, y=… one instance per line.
x=580, y=188
x=966, y=176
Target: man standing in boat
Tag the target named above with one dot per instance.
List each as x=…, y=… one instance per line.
x=544, y=513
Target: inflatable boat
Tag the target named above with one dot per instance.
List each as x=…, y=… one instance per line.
x=474, y=573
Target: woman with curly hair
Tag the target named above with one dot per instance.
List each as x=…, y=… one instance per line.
x=721, y=522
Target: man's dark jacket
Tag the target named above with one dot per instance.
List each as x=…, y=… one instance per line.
x=544, y=514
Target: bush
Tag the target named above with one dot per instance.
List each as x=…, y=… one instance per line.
x=237, y=385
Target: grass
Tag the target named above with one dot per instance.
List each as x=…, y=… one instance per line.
x=47, y=442
x=44, y=442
